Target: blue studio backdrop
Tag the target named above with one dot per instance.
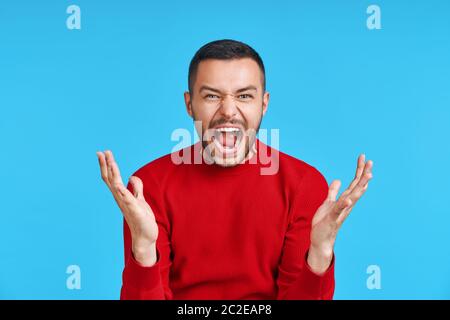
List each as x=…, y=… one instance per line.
x=345, y=77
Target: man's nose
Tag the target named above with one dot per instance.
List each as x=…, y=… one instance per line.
x=228, y=107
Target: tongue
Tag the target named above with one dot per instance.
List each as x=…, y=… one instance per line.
x=227, y=139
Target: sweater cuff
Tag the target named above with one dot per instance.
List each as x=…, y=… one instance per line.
x=318, y=286
x=141, y=277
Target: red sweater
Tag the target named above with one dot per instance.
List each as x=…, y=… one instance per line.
x=229, y=232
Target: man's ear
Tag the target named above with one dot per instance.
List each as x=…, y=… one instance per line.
x=266, y=97
x=187, y=102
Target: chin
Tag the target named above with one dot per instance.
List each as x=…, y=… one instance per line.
x=226, y=158
x=228, y=162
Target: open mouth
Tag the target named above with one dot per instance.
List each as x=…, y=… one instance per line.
x=227, y=139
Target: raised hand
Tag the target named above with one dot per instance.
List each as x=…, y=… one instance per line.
x=138, y=214
x=332, y=213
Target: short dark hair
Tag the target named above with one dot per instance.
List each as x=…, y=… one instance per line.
x=225, y=49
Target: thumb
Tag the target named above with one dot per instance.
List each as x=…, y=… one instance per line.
x=138, y=187
x=333, y=189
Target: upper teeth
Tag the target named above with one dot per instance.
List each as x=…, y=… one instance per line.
x=227, y=129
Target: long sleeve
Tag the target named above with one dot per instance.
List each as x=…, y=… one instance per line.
x=148, y=283
x=296, y=281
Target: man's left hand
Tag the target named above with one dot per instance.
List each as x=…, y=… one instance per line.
x=332, y=213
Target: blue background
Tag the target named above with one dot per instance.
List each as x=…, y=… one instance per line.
x=337, y=89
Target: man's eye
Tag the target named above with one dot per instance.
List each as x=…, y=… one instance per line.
x=245, y=96
x=211, y=96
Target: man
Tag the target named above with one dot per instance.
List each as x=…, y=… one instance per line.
x=220, y=229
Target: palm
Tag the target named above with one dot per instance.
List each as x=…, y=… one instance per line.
x=332, y=213
x=136, y=211
x=141, y=220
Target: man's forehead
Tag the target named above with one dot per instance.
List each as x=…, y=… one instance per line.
x=232, y=74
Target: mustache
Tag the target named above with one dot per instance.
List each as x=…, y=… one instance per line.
x=230, y=122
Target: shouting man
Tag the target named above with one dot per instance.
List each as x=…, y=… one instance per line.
x=219, y=228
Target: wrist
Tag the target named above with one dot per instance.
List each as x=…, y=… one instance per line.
x=145, y=255
x=319, y=259
x=323, y=249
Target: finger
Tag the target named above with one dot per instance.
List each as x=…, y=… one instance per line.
x=343, y=203
x=124, y=195
x=333, y=190
x=362, y=185
x=366, y=175
x=366, y=186
x=125, y=200
x=138, y=187
x=354, y=197
x=115, y=180
x=344, y=209
x=103, y=168
x=359, y=170
x=108, y=166
x=113, y=169
x=344, y=214
x=360, y=165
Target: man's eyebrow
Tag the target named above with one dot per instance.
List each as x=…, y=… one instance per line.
x=248, y=88
x=209, y=88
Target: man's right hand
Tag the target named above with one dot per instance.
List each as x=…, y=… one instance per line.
x=138, y=214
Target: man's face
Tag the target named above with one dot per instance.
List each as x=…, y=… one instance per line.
x=229, y=101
